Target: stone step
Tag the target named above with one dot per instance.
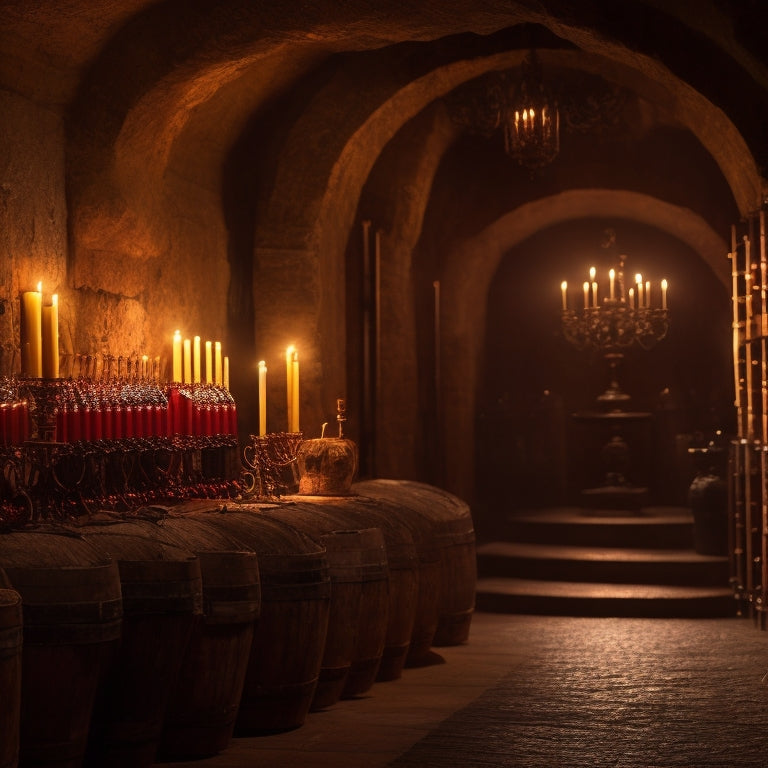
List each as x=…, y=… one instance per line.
x=616, y=565
x=650, y=527
x=531, y=596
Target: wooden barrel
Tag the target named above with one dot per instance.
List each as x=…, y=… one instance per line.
x=363, y=510
x=289, y=638
x=411, y=574
x=10, y=675
x=162, y=600
x=454, y=534
x=201, y=714
x=358, y=613
x=72, y=609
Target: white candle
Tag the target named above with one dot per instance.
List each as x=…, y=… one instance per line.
x=32, y=333
x=177, y=357
x=586, y=295
x=208, y=362
x=187, y=361
x=295, y=391
x=639, y=283
x=611, y=283
x=289, y=384
x=594, y=294
x=648, y=294
x=631, y=298
x=196, y=360
x=564, y=289
x=50, y=339
x=218, y=366
x=664, y=294
x=262, y=397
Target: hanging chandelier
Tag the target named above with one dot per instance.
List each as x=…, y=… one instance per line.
x=531, y=119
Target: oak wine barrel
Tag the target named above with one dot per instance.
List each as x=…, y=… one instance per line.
x=162, y=600
x=72, y=612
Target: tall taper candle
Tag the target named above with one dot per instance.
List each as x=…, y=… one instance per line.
x=218, y=365
x=262, y=397
x=177, y=357
x=225, y=375
x=208, y=362
x=187, y=361
x=31, y=333
x=289, y=385
x=50, y=339
x=295, y=391
x=196, y=360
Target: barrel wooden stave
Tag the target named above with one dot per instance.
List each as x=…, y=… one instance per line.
x=10, y=674
x=454, y=534
x=72, y=616
x=341, y=512
x=201, y=714
x=162, y=601
x=289, y=637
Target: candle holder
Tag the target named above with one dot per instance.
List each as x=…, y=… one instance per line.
x=45, y=397
x=272, y=458
x=610, y=328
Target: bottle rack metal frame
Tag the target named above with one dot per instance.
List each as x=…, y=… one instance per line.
x=748, y=453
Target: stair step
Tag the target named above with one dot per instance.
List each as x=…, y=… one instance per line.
x=648, y=527
x=510, y=595
x=554, y=562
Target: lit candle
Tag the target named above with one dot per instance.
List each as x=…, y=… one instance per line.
x=564, y=289
x=145, y=367
x=32, y=333
x=648, y=294
x=225, y=379
x=177, y=357
x=611, y=283
x=631, y=298
x=639, y=283
x=196, y=360
x=217, y=363
x=295, y=391
x=208, y=362
x=594, y=294
x=586, y=295
x=289, y=384
x=664, y=293
x=50, y=339
x=262, y=397
x=187, y=361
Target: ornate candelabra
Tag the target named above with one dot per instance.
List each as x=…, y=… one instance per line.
x=615, y=322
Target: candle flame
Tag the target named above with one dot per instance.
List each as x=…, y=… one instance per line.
x=40, y=286
x=564, y=285
x=55, y=300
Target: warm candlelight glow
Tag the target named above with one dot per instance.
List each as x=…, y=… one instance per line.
x=32, y=333
x=187, y=361
x=208, y=362
x=289, y=383
x=295, y=391
x=611, y=283
x=50, y=339
x=225, y=379
x=648, y=294
x=177, y=357
x=639, y=284
x=262, y=397
x=631, y=298
x=218, y=364
x=196, y=360
x=564, y=289
x=664, y=293
x=586, y=295
x=594, y=294
x=592, y=273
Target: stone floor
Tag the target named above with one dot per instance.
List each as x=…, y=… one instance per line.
x=549, y=691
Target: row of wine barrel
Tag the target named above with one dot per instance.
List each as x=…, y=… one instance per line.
x=162, y=636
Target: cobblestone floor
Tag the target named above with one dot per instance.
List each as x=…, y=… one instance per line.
x=550, y=692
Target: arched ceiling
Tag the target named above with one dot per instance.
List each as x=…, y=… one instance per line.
x=157, y=89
